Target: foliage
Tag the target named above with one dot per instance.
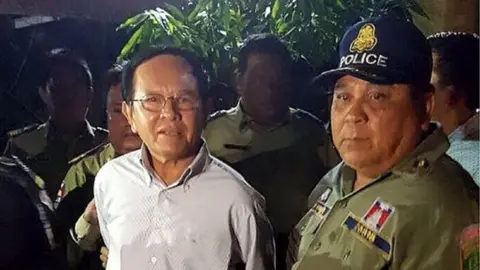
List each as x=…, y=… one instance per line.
x=215, y=28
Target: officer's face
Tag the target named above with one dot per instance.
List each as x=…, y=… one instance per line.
x=170, y=133
x=119, y=131
x=66, y=94
x=265, y=88
x=375, y=126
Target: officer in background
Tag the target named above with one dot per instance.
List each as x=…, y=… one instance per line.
x=396, y=201
x=455, y=78
x=281, y=151
x=77, y=209
x=47, y=148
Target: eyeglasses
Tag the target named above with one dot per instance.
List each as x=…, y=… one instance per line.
x=155, y=103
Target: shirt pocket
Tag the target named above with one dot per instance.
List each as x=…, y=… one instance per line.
x=360, y=248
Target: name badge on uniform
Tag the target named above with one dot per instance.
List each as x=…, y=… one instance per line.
x=367, y=235
x=326, y=195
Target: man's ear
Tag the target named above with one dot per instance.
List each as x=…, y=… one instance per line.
x=127, y=111
x=429, y=99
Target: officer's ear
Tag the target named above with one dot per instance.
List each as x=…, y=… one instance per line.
x=429, y=101
x=128, y=113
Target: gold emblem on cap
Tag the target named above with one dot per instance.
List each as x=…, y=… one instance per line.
x=366, y=39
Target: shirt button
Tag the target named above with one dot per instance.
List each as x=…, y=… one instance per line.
x=153, y=260
x=347, y=255
x=318, y=245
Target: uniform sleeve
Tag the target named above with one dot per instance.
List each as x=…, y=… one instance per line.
x=255, y=237
x=74, y=178
x=98, y=193
x=431, y=242
x=86, y=235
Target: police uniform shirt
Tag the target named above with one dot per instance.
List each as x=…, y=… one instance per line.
x=209, y=219
x=408, y=218
x=232, y=135
x=47, y=153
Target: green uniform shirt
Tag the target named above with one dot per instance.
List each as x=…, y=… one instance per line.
x=44, y=150
x=408, y=218
x=76, y=193
x=88, y=163
x=283, y=163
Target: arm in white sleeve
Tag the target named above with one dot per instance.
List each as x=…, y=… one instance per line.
x=255, y=237
x=98, y=193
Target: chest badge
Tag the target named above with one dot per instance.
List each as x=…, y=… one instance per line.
x=325, y=195
x=378, y=214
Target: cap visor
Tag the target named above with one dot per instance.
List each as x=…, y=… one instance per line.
x=331, y=76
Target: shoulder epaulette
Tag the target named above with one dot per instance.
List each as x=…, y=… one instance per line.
x=306, y=115
x=102, y=130
x=16, y=132
x=88, y=153
x=216, y=115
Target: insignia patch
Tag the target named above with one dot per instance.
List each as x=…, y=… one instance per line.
x=326, y=195
x=367, y=235
x=320, y=209
x=377, y=215
x=469, y=246
x=366, y=39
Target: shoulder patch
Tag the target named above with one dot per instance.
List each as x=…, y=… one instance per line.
x=90, y=152
x=16, y=132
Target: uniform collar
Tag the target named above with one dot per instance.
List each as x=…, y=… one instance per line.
x=53, y=134
x=245, y=121
x=468, y=131
x=198, y=166
x=426, y=153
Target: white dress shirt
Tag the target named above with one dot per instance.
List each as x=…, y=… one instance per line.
x=209, y=219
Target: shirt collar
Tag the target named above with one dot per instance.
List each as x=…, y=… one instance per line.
x=468, y=131
x=428, y=151
x=198, y=166
x=53, y=133
x=245, y=121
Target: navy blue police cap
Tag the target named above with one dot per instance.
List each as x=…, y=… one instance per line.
x=383, y=50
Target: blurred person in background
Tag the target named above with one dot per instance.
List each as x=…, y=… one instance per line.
x=76, y=210
x=455, y=78
x=281, y=151
x=47, y=148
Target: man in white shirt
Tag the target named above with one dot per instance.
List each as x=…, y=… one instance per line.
x=171, y=205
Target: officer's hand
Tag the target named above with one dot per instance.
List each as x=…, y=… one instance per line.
x=90, y=214
x=104, y=256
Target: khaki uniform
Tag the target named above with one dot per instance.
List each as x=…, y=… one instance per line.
x=409, y=218
x=283, y=163
x=77, y=192
x=44, y=150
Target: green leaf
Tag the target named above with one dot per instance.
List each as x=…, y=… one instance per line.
x=129, y=47
x=133, y=22
x=340, y=4
x=201, y=6
x=417, y=8
x=175, y=12
x=275, y=9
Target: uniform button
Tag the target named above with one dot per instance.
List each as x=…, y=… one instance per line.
x=347, y=255
x=318, y=245
x=153, y=260
x=342, y=204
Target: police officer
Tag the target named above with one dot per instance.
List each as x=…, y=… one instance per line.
x=281, y=151
x=396, y=201
x=47, y=148
x=77, y=189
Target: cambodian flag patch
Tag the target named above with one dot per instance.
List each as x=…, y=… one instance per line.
x=378, y=214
